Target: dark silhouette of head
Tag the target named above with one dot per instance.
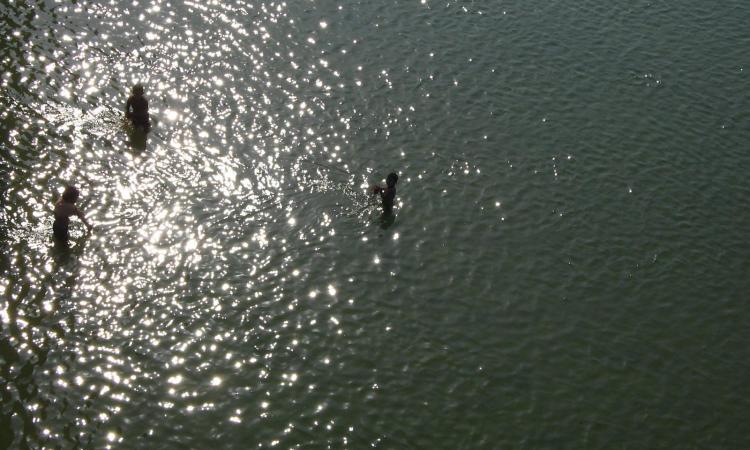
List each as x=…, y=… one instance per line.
x=138, y=89
x=391, y=179
x=70, y=194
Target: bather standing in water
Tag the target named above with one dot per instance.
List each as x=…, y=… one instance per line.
x=388, y=193
x=64, y=208
x=136, y=109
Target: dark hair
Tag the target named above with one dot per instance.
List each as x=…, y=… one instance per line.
x=391, y=179
x=70, y=194
x=138, y=89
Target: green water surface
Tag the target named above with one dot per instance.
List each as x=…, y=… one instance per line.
x=567, y=266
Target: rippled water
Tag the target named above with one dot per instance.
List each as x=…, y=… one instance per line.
x=567, y=267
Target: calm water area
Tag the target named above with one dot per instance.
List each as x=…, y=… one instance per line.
x=567, y=267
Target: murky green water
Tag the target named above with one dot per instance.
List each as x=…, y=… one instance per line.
x=567, y=268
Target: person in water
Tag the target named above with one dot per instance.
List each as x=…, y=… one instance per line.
x=64, y=208
x=387, y=193
x=136, y=109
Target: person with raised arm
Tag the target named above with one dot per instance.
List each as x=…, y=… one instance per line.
x=64, y=208
x=387, y=193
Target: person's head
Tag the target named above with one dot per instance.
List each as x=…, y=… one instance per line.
x=70, y=194
x=138, y=89
x=391, y=179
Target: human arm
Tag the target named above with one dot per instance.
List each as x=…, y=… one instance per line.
x=128, y=104
x=80, y=215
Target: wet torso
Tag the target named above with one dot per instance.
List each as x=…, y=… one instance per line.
x=63, y=211
x=388, y=195
x=138, y=108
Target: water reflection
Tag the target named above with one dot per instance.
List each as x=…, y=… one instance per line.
x=137, y=138
x=209, y=287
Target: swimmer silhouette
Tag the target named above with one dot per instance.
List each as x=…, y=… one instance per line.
x=388, y=193
x=64, y=208
x=136, y=109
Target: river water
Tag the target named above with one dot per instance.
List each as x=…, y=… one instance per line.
x=567, y=266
